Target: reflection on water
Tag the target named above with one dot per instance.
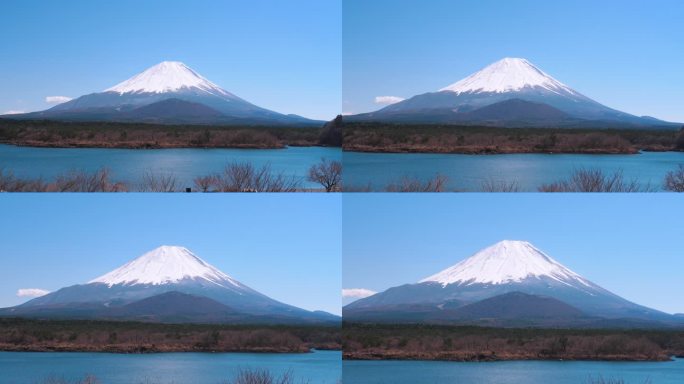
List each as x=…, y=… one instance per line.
x=511, y=372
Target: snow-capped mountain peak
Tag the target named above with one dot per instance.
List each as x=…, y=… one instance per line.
x=508, y=75
x=167, y=76
x=505, y=262
x=165, y=265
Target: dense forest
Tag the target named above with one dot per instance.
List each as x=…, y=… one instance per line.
x=470, y=343
x=45, y=133
x=136, y=337
x=435, y=138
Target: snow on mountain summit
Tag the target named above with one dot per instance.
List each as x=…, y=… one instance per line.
x=164, y=265
x=504, y=262
x=167, y=76
x=508, y=75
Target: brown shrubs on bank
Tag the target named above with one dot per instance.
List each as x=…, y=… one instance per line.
x=594, y=180
x=408, y=184
x=73, y=181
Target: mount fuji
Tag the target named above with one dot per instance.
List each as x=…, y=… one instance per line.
x=167, y=284
x=510, y=92
x=508, y=283
x=167, y=93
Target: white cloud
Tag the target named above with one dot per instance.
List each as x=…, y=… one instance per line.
x=387, y=100
x=13, y=112
x=31, y=292
x=347, y=113
x=57, y=99
x=357, y=293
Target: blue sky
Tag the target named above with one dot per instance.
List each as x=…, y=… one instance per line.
x=281, y=55
x=287, y=246
x=629, y=244
x=627, y=55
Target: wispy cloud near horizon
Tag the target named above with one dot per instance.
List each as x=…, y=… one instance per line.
x=57, y=99
x=31, y=292
x=357, y=293
x=387, y=100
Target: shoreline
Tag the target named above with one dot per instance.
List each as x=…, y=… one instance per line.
x=147, y=146
x=152, y=349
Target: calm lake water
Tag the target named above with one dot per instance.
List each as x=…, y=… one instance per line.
x=128, y=165
x=164, y=368
x=468, y=172
x=510, y=372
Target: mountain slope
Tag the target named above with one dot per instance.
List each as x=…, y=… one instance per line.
x=164, y=81
x=506, y=79
x=501, y=269
x=164, y=270
x=517, y=305
x=173, y=307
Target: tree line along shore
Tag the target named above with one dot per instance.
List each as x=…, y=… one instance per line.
x=46, y=133
x=136, y=337
x=436, y=138
x=471, y=343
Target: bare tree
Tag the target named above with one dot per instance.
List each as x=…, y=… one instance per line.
x=328, y=174
x=406, y=184
x=82, y=181
x=158, y=182
x=205, y=183
x=11, y=183
x=586, y=180
x=674, y=180
x=500, y=186
x=244, y=177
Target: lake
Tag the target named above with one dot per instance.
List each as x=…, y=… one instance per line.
x=129, y=165
x=164, y=368
x=511, y=372
x=468, y=172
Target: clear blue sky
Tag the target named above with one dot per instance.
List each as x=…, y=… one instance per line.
x=281, y=55
x=625, y=54
x=287, y=246
x=630, y=244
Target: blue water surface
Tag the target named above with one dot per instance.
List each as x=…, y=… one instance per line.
x=528, y=171
x=164, y=368
x=511, y=372
x=129, y=165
